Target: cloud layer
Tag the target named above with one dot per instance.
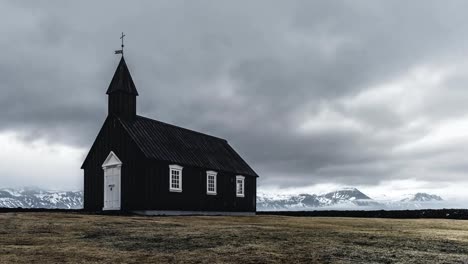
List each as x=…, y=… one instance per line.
x=350, y=92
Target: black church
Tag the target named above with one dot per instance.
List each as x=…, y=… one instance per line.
x=146, y=166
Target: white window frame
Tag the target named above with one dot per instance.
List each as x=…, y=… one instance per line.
x=178, y=168
x=215, y=175
x=240, y=178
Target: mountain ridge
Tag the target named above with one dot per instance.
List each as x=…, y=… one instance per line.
x=422, y=197
x=31, y=197
x=342, y=199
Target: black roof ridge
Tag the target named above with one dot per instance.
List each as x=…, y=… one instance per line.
x=183, y=128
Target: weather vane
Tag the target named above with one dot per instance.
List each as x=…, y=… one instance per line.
x=121, y=50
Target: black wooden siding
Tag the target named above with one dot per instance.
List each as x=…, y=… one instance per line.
x=145, y=182
x=193, y=196
x=122, y=104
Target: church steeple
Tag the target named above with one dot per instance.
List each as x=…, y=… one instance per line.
x=122, y=93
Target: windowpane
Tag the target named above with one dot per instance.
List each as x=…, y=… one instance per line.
x=175, y=179
x=211, y=183
x=240, y=186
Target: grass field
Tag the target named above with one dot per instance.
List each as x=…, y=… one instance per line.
x=68, y=237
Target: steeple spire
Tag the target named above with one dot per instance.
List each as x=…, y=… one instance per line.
x=122, y=80
x=122, y=93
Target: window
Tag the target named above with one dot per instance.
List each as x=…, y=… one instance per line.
x=211, y=182
x=175, y=178
x=240, y=186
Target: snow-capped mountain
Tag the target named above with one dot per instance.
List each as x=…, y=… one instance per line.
x=37, y=198
x=346, y=194
x=348, y=197
x=344, y=199
x=422, y=197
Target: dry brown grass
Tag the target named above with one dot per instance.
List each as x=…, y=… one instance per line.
x=78, y=238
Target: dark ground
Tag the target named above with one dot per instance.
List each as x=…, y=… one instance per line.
x=46, y=237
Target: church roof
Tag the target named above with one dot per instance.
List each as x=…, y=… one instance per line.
x=162, y=141
x=122, y=80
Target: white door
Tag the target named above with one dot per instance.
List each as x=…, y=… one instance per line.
x=112, y=188
x=111, y=167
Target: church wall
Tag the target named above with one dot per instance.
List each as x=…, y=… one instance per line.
x=145, y=182
x=193, y=196
x=112, y=137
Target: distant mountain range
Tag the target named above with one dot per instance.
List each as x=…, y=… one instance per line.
x=37, y=198
x=347, y=198
x=343, y=199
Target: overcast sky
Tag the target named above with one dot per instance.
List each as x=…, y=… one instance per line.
x=313, y=94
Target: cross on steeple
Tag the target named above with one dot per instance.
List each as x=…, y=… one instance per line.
x=122, y=38
x=121, y=50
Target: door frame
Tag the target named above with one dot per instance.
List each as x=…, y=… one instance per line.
x=111, y=162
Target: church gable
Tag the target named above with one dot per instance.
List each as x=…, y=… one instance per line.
x=111, y=137
x=96, y=142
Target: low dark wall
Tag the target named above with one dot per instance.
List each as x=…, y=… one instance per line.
x=402, y=214
x=32, y=210
x=70, y=211
x=428, y=213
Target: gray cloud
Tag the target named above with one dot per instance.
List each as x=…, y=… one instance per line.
x=282, y=81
